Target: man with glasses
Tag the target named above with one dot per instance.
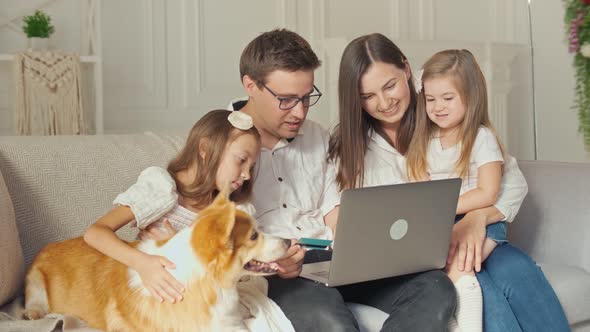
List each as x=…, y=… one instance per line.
x=295, y=193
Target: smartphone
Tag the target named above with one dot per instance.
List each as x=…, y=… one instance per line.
x=314, y=243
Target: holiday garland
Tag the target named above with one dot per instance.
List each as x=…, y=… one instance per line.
x=577, y=20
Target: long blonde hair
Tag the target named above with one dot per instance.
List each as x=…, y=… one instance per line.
x=461, y=67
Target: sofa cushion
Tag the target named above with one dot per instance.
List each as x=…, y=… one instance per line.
x=572, y=285
x=552, y=225
x=11, y=254
x=62, y=184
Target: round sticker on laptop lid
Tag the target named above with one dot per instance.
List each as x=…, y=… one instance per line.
x=398, y=229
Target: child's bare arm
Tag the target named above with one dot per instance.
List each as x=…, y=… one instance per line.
x=101, y=236
x=489, y=177
x=154, y=276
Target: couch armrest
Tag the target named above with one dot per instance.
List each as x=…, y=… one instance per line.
x=553, y=224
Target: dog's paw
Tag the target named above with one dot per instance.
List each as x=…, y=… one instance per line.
x=34, y=313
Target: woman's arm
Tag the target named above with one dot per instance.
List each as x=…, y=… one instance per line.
x=151, y=268
x=489, y=177
x=469, y=235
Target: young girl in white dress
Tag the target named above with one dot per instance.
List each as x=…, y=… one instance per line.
x=221, y=150
x=454, y=138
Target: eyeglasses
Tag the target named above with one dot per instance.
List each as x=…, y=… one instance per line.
x=287, y=103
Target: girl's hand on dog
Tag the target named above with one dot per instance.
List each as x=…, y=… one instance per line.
x=292, y=263
x=153, y=232
x=161, y=284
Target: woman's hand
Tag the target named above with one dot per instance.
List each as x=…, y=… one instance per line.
x=467, y=241
x=154, y=276
x=153, y=232
x=292, y=263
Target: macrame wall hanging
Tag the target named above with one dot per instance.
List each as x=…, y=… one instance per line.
x=48, y=93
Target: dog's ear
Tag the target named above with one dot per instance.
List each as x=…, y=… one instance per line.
x=216, y=222
x=223, y=197
x=227, y=219
x=225, y=211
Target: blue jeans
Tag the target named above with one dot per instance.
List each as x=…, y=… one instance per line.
x=516, y=294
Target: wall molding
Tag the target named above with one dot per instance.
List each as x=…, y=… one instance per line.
x=286, y=14
x=317, y=24
x=426, y=20
x=198, y=42
x=148, y=45
x=502, y=16
x=193, y=75
x=395, y=24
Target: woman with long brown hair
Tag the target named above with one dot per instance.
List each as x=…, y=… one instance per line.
x=377, y=113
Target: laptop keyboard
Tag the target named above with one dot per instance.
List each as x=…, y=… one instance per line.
x=323, y=274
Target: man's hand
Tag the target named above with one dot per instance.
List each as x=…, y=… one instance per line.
x=467, y=242
x=291, y=264
x=157, y=233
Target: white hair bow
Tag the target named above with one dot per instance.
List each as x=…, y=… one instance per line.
x=240, y=120
x=418, y=81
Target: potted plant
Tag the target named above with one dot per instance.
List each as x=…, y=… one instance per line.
x=38, y=29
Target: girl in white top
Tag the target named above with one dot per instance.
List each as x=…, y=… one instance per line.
x=222, y=143
x=454, y=138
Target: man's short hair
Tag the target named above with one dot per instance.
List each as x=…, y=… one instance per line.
x=279, y=49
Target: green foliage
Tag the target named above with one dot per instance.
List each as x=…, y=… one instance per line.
x=581, y=65
x=38, y=25
x=582, y=98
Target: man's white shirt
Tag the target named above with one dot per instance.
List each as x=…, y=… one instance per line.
x=295, y=186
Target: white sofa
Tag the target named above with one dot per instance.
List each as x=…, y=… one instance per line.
x=55, y=187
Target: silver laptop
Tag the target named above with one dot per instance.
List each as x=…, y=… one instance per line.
x=388, y=231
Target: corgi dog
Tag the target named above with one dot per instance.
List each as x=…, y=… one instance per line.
x=211, y=256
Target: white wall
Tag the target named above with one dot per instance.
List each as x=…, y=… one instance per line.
x=166, y=62
x=557, y=123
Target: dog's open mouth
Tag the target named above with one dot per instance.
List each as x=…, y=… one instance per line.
x=261, y=267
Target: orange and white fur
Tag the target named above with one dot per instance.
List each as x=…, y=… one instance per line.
x=210, y=256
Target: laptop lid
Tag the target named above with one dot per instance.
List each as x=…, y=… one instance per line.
x=392, y=230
